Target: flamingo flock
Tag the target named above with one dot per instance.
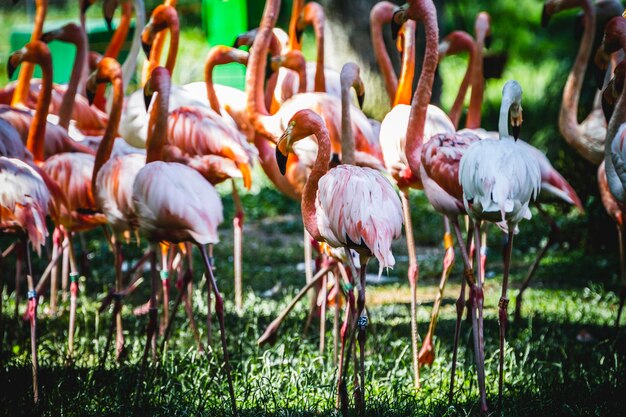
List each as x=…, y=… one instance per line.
x=143, y=166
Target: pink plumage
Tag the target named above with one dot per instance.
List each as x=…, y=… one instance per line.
x=175, y=203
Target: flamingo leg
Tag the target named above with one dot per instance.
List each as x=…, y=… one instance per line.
x=1, y=299
x=189, y=310
x=337, y=316
x=54, y=284
x=65, y=267
x=164, y=274
x=152, y=313
x=271, y=332
x=362, y=323
x=219, y=310
x=73, y=295
x=622, y=292
x=552, y=238
x=117, y=309
x=342, y=393
x=427, y=354
x=323, y=313
x=238, y=244
x=19, y=255
x=502, y=310
x=478, y=302
x=413, y=276
x=32, y=316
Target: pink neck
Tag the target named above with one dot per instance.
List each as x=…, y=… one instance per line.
x=67, y=104
x=296, y=8
x=349, y=77
x=381, y=14
x=568, y=117
x=314, y=14
x=220, y=55
x=37, y=132
x=421, y=98
x=465, y=42
x=476, y=98
x=157, y=128
x=311, y=187
x=108, y=140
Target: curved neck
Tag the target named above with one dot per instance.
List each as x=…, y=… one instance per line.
x=568, y=117
x=219, y=56
x=476, y=98
x=255, y=100
x=296, y=8
x=347, y=139
x=119, y=36
x=157, y=127
x=67, y=104
x=108, y=140
x=309, y=194
x=37, y=131
x=130, y=64
x=314, y=14
x=407, y=70
x=22, y=89
x=421, y=98
x=503, y=120
x=380, y=15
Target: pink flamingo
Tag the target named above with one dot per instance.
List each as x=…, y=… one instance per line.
x=370, y=227
x=175, y=203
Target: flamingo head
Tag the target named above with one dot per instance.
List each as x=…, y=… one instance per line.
x=303, y=123
x=163, y=17
x=311, y=13
x=35, y=52
x=455, y=43
x=351, y=77
x=92, y=60
x=482, y=28
x=511, y=107
x=107, y=70
x=246, y=38
x=159, y=81
x=614, y=39
x=613, y=90
x=552, y=7
x=70, y=33
x=293, y=60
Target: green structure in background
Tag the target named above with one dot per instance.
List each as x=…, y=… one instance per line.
x=63, y=54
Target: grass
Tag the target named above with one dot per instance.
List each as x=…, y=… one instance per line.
x=548, y=372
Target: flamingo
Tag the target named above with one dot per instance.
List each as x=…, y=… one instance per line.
x=365, y=219
x=401, y=134
x=174, y=203
x=112, y=179
x=499, y=179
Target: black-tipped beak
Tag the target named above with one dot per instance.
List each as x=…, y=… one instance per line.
x=48, y=37
x=281, y=161
x=147, y=47
x=109, y=21
x=238, y=41
x=91, y=95
x=361, y=99
x=299, y=34
x=599, y=74
x=488, y=40
x=516, y=131
x=269, y=67
x=84, y=6
x=10, y=69
x=397, y=21
x=545, y=17
x=147, y=98
x=334, y=159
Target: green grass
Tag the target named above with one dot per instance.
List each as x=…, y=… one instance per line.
x=548, y=372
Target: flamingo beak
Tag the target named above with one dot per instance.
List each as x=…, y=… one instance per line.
x=147, y=39
x=299, y=34
x=14, y=60
x=283, y=147
x=245, y=39
x=545, y=17
x=146, y=46
x=109, y=22
x=85, y=4
x=361, y=99
x=147, y=95
x=90, y=96
x=398, y=19
x=516, y=121
x=49, y=36
x=488, y=41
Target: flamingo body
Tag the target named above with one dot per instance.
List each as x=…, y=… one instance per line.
x=175, y=203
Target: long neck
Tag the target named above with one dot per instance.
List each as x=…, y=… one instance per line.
x=219, y=56
x=617, y=119
x=36, y=133
x=421, y=98
x=318, y=20
x=67, y=104
x=173, y=49
x=568, y=116
x=309, y=194
x=382, y=15
x=119, y=36
x=157, y=129
x=503, y=121
x=22, y=89
x=128, y=68
x=407, y=71
x=347, y=139
x=255, y=100
x=476, y=98
x=106, y=144
x=296, y=8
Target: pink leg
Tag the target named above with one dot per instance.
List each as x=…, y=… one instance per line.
x=32, y=315
x=238, y=244
x=479, y=340
x=57, y=241
x=427, y=353
x=323, y=313
x=342, y=394
x=502, y=313
x=19, y=255
x=73, y=295
x=152, y=316
x=362, y=323
x=219, y=310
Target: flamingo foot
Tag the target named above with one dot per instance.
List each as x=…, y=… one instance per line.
x=427, y=353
